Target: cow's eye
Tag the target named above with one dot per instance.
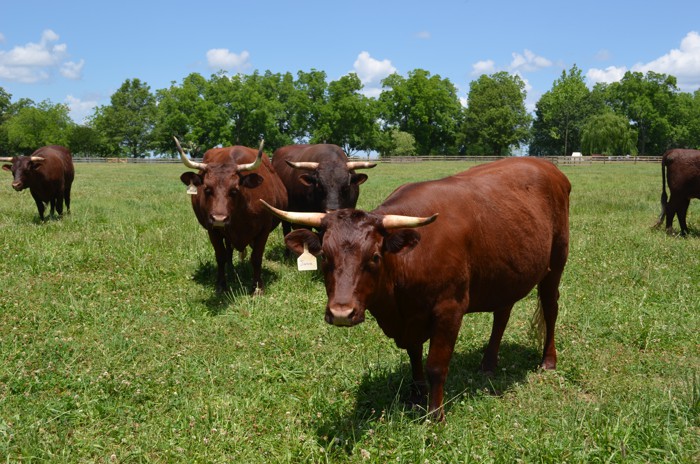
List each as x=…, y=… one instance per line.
x=208, y=191
x=233, y=192
x=376, y=258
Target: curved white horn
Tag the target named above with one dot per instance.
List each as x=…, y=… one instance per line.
x=393, y=221
x=305, y=165
x=186, y=160
x=254, y=165
x=5, y=158
x=305, y=219
x=36, y=158
x=360, y=165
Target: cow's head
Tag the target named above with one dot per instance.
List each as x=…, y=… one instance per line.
x=356, y=250
x=220, y=187
x=22, y=169
x=332, y=185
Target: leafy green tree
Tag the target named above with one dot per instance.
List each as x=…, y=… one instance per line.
x=685, y=121
x=425, y=106
x=560, y=114
x=35, y=126
x=127, y=123
x=312, y=95
x=496, y=118
x=86, y=141
x=608, y=133
x=348, y=119
x=648, y=101
x=397, y=143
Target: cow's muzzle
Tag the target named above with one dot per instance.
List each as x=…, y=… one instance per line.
x=17, y=186
x=344, y=316
x=218, y=220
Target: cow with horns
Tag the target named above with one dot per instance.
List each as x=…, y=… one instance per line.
x=225, y=192
x=681, y=168
x=503, y=229
x=318, y=178
x=48, y=174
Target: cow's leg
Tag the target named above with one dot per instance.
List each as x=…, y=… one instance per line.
x=682, y=211
x=66, y=197
x=286, y=229
x=39, y=206
x=548, y=291
x=442, y=345
x=500, y=321
x=419, y=387
x=256, y=262
x=671, y=209
x=217, y=240
x=52, y=202
x=59, y=205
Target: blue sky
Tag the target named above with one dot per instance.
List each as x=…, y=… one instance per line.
x=80, y=52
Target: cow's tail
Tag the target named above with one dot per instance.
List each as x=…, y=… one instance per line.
x=538, y=327
x=664, y=197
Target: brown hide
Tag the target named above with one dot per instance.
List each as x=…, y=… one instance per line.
x=329, y=187
x=227, y=205
x=49, y=181
x=502, y=229
x=681, y=168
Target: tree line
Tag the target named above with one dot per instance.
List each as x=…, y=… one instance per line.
x=416, y=114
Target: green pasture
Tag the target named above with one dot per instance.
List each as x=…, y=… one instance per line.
x=114, y=346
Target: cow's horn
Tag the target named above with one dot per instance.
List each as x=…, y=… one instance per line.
x=5, y=158
x=393, y=221
x=36, y=158
x=360, y=165
x=305, y=165
x=254, y=165
x=305, y=219
x=185, y=159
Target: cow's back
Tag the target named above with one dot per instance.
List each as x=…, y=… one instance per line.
x=56, y=171
x=498, y=222
x=683, y=171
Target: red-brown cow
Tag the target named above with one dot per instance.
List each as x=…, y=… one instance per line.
x=503, y=229
x=226, y=204
x=683, y=177
x=318, y=178
x=48, y=173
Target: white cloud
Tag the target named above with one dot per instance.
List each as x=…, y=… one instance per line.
x=80, y=109
x=528, y=62
x=370, y=70
x=72, y=70
x=223, y=58
x=35, y=62
x=607, y=75
x=483, y=67
x=683, y=62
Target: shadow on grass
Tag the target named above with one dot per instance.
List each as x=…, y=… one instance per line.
x=382, y=394
x=241, y=285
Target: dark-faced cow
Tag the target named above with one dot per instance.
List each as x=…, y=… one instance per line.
x=318, y=178
x=681, y=168
x=229, y=182
x=503, y=229
x=48, y=174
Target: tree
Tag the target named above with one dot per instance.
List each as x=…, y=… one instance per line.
x=560, y=114
x=127, y=123
x=397, y=143
x=496, y=118
x=348, y=119
x=426, y=107
x=648, y=101
x=608, y=133
x=35, y=126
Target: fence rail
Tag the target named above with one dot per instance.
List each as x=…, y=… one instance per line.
x=561, y=160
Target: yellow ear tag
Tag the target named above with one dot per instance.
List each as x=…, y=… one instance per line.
x=191, y=189
x=307, y=261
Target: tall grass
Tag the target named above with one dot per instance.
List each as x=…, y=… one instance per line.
x=114, y=346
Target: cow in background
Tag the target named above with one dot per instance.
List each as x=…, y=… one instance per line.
x=48, y=174
x=681, y=168
x=318, y=178
x=227, y=186
x=503, y=229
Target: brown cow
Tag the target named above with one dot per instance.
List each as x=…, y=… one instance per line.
x=318, y=178
x=226, y=203
x=48, y=173
x=683, y=182
x=503, y=229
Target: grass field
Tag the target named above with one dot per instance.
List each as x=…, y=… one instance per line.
x=114, y=346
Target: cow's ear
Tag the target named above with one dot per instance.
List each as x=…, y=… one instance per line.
x=7, y=167
x=296, y=239
x=251, y=180
x=190, y=177
x=358, y=179
x=401, y=240
x=307, y=179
